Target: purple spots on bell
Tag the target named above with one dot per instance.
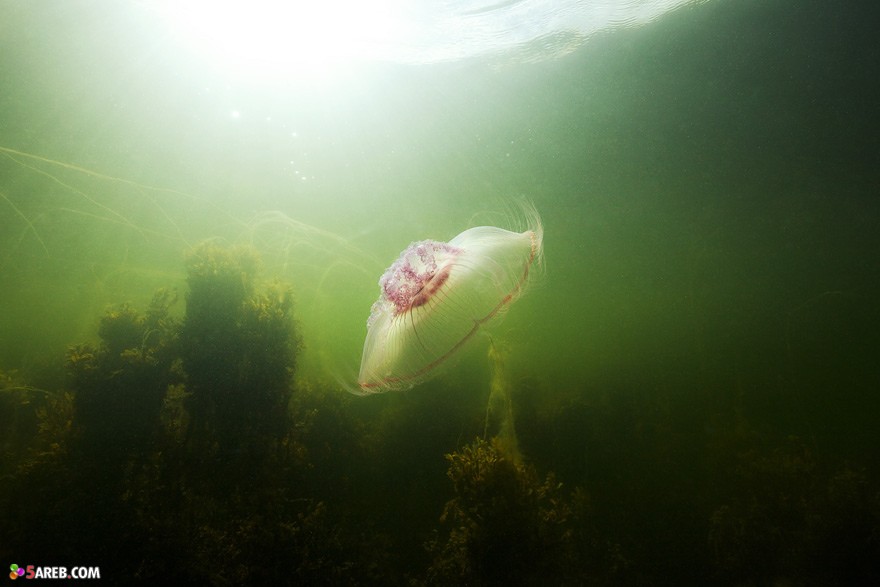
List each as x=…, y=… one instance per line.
x=412, y=271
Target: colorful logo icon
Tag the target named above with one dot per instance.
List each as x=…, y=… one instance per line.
x=15, y=571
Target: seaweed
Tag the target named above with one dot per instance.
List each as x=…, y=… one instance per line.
x=184, y=446
x=509, y=526
x=119, y=386
x=238, y=350
x=158, y=420
x=788, y=518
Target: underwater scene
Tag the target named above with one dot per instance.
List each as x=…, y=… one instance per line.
x=440, y=293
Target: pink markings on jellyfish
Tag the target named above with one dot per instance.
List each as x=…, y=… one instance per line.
x=414, y=277
x=436, y=296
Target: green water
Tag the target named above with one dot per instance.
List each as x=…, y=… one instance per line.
x=702, y=339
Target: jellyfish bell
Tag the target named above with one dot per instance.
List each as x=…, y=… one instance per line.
x=436, y=296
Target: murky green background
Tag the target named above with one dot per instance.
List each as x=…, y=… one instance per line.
x=708, y=185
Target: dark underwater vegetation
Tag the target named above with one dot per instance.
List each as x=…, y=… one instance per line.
x=182, y=447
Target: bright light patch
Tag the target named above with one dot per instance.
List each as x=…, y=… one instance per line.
x=275, y=37
x=278, y=38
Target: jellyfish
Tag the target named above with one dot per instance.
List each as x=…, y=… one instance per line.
x=436, y=296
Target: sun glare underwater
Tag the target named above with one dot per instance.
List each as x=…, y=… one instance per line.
x=307, y=39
